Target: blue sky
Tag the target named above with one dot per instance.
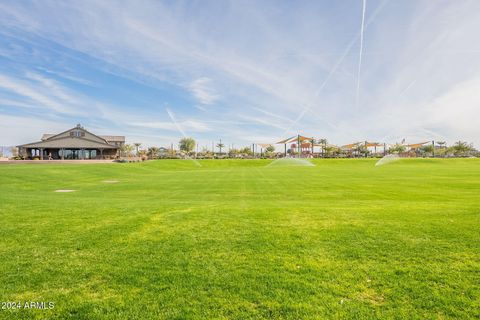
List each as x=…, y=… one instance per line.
x=242, y=71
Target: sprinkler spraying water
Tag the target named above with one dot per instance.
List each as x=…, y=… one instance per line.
x=387, y=159
x=291, y=162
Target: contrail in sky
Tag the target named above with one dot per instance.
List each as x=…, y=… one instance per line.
x=179, y=128
x=337, y=64
x=360, y=53
x=172, y=117
x=407, y=88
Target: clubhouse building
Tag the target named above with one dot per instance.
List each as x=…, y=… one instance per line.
x=73, y=144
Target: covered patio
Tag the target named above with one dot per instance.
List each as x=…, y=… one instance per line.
x=61, y=150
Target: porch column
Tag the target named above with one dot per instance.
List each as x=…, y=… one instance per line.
x=299, y=147
x=63, y=154
x=41, y=153
x=82, y=154
x=101, y=154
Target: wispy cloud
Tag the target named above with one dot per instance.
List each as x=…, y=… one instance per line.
x=39, y=94
x=190, y=125
x=259, y=69
x=202, y=89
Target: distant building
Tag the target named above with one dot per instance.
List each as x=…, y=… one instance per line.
x=75, y=143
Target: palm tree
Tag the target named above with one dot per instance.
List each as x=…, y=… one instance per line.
x=397, y=148
x=462, y=148
x=152, y=152
x=427, y=149
x=443, y=147
x=232, y=153
x=220, y=145
x=14, y=152
x=127, y=149
x=323, y=142
x=330, y=150
x=360, y=149
x=137, y=145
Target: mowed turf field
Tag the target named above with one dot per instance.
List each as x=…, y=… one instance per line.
x=235, y=239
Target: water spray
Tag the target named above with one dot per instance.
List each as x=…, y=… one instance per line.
x=387, y=159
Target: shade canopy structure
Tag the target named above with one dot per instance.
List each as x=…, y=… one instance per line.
x=366, y=144
x=417, y=145
x=264, y=145
x=373, y=144
x=287, y=140
x=351, y=145
x=296, y=139
x=303, y=144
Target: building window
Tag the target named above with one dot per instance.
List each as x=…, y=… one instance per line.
x=77, y=133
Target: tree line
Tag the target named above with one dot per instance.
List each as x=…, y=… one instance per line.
x=187, y=148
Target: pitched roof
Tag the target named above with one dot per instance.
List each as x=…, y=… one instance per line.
x=47, y=136
x=69, y=142
x=114, y=138
x=59, y=140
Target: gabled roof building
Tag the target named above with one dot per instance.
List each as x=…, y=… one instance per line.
x=75, y=143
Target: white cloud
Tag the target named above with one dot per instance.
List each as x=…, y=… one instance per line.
x=188, y=125
x=417, y=62
x=457, y=111
x=39, y=94
x=203, y=91
x=20, y=130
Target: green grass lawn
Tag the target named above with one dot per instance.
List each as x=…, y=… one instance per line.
x=239, y=240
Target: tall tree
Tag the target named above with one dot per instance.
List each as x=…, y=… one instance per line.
x=153, y=152
x=427, y=149
x=462, y=148
x=137, y=145
x=127, y=149
x=246, y=151
x=398, y=148
x=232, y=153
x=187, y=144
x=14, y=151
x=323, y=142
x=331, y=151
x=220, y=145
